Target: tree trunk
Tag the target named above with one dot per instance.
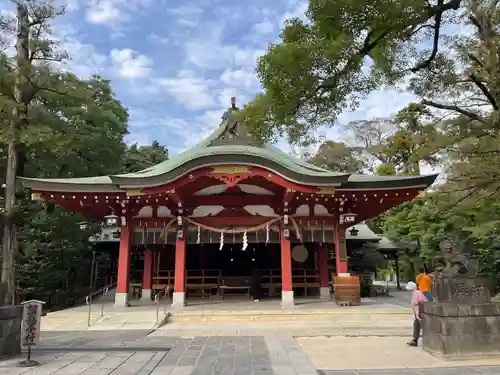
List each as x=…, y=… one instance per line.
x=398, y=277
x=19, y=117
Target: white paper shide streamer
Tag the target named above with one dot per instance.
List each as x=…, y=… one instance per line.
x=198, y=239
x=221, y=240
x=267, y=233
x=245, y=242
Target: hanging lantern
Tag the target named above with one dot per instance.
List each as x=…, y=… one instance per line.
x=111, y=220
x=83, y=225
x=180, y=234
x=347, y=218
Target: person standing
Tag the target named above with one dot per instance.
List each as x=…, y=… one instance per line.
x=424, y=282
x=417, y=301
x=256, y=288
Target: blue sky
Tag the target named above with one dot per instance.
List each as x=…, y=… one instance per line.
x=175, y=64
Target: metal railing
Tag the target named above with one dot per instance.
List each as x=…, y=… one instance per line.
x=162, y=295
x=101, y=292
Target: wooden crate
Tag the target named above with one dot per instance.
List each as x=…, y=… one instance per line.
x=347, y=290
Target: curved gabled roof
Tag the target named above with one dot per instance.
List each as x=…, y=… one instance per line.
x=229, y=144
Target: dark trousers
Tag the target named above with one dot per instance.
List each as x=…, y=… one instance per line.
x=256, y=291
x=416, y=330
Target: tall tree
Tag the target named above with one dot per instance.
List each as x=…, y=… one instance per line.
x=344, y=50
x=46, y=112
x=414, y=141
x=370, y=136
x=138, y=158
x=54, y=258
x=338, y=157
x=31, y=20
x=463, y=85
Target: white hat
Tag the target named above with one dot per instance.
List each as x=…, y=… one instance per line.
x=411, y=286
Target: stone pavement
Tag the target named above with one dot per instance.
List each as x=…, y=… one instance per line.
x=146, y=352
x=372, y=352
x=482, y=370
x=136, y=353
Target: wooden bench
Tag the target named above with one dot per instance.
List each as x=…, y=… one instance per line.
x=235, y=283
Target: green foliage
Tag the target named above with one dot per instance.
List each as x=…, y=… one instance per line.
x=138, y=158
x=317, y=70
x=365, y=259
x=86, y=141
x=337, y=157
x=420, y=225
x=56, y=256
x=385, y=170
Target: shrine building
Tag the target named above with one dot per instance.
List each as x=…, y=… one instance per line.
x=204, y=220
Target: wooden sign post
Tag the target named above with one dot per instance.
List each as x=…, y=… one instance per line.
x=30, y=331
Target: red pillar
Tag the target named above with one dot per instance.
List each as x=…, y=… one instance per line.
x=147, y=275
x=323, y=266
x=123, y=281
x=180, y=271
x=286, y=271
x=340, y=248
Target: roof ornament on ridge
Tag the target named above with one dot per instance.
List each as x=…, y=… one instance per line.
x=231, y=109
x=231, y=130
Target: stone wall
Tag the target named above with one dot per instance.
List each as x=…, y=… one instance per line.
x=10, y=329
x=461, y=330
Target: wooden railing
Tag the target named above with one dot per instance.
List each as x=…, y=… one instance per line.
x=203, y=283
x=305, y=279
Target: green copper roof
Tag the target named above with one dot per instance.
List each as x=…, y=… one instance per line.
x=228, y=144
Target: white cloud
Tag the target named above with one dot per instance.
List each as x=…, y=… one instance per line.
x=208, y=50
x=131, y=64
x=189, y=90
x=112, y=13
x=241, y=78
x=185, y=15
x=264, y=27
x=157, y=38
x=296, y=9
x=84, y=58
x=103, y=11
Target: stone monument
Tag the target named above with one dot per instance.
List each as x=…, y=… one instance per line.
x=463, y=321
x=10, y=330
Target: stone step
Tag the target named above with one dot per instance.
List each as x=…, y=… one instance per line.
x=339, y=315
